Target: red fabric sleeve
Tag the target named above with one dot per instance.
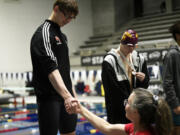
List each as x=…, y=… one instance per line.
x=129, y=128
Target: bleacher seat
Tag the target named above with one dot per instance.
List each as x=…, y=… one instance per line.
x=152, y=30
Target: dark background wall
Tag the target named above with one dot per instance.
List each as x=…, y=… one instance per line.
x=103, y=16
x=151, y=6
x=124, y=11
x=110, y=15
x=176, y=4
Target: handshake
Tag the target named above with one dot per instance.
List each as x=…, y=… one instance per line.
x=72, y=105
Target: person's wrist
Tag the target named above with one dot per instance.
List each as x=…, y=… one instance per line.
x=67, y=97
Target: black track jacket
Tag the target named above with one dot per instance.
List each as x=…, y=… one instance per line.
x=49, y=51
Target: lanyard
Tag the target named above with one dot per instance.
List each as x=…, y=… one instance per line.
x=129, y=64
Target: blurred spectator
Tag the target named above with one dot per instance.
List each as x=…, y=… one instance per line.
x=171, y=77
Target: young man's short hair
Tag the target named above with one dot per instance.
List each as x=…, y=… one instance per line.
x=67, y=6
x=175, y=29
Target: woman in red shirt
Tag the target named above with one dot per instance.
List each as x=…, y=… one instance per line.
x=149, y=114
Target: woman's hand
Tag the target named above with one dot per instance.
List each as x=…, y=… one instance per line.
x=77, y=109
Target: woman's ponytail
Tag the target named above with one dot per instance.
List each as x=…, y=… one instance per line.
x=163, y=118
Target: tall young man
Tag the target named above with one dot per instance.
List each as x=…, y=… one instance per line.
x=51, y=71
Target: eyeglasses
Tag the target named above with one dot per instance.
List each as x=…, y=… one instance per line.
x=68, y=16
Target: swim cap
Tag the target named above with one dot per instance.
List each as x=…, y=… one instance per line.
x=129, y=37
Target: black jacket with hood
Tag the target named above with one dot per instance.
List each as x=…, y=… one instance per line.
x=117, y=85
